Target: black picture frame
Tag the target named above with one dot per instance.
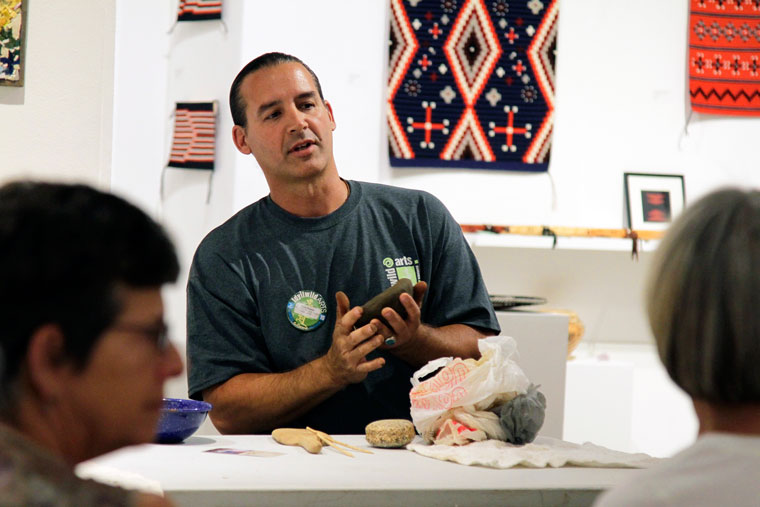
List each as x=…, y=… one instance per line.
x=652, y=201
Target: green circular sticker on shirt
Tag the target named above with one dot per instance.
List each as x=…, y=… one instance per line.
x=307, y=310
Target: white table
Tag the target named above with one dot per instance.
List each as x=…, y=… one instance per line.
x=191, y=476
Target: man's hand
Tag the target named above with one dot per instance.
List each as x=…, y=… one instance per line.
x=346, y=360
x=417, y=343
x=403, y=332
x=260, y=402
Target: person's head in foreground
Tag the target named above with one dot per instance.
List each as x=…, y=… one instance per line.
x=701, y=300
x=83, y=346
x=701, y=295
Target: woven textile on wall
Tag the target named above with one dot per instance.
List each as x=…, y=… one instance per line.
x=199, y=10
x=471, y=83
x=194, y=135
x=724, y=48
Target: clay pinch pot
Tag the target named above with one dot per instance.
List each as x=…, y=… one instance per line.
x=388, y=298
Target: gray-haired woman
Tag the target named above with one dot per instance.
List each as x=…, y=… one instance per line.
x=701, y=297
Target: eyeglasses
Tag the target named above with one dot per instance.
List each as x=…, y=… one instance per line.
x=159, y=336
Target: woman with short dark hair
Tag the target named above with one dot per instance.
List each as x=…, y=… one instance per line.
x=83, y=347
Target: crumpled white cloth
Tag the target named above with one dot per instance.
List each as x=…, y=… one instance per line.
x=543, y=452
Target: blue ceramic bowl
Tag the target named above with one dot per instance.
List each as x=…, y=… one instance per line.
x=179, y=419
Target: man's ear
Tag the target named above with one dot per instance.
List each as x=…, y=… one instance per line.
x=239, y=138
x=47, y=362
x=332, y=116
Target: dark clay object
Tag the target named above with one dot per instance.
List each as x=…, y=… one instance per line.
x=388, y=298
x=523, y=416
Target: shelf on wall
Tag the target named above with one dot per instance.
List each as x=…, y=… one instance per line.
x=486, y=239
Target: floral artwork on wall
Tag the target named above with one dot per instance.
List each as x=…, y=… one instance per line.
x=12, y=32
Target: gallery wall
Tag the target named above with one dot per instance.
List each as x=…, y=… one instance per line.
x=621, y=107
x=98, y=107
x=58, y=125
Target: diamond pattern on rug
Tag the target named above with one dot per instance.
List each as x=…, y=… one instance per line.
x=471, y=83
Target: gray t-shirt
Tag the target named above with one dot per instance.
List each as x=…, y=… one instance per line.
x=261, y=292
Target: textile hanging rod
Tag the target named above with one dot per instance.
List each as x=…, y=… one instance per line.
x=575, y=232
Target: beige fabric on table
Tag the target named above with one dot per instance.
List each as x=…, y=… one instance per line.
x=543, y=452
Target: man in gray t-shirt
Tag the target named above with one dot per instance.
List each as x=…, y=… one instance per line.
x=271, y=338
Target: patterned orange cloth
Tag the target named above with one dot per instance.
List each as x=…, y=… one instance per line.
x=724, y=57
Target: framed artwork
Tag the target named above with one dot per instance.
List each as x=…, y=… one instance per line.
x=653, y=200
x=12, y=47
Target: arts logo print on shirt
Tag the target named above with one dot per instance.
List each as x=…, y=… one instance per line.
x=402, y=267
x=307, y=310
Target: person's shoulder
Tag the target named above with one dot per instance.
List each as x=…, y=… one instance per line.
x=632, y=495
x=33, y=476
x=392, y=193
x=148, y=500
x=226, y=235
x=680, y=479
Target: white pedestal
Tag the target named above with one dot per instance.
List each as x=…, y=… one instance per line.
x=542, y=343
x=599, y=403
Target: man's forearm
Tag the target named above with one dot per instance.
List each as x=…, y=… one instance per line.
x=260, y=402
x=456, y=340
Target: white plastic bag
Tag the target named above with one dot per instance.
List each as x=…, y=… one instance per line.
x=461, y=426
x=479, y=385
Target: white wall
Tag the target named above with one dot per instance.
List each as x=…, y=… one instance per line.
x=344, y=42
x=621, y=106
x=158, y=65
x=58, y=125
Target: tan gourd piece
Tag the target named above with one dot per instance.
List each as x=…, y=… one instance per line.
x=298, y=436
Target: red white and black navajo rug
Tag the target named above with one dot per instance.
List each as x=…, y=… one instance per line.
x=194, y=131
x=199, y=10
x=471, y=83
x=724, y=48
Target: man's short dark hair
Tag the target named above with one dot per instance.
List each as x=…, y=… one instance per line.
x=65, y=250
x=237, y=103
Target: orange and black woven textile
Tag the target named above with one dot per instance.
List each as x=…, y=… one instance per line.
x=471, y=83
x=724, y=57
x=199, y=10
x=194, y=135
